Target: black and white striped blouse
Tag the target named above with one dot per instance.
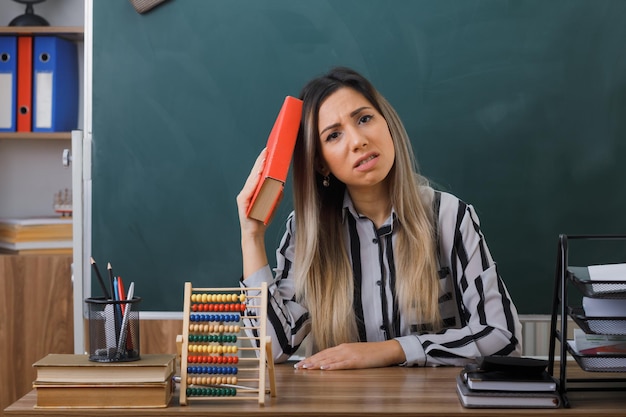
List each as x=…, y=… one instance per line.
x=478, y=314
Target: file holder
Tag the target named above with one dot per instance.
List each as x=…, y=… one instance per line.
x=561, y=310
x=113, y=329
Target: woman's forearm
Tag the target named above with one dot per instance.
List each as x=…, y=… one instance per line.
x=253, y=253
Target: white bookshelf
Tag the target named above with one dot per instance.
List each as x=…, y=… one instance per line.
x=31, y=168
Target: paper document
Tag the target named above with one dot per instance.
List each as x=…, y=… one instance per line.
x=608, y=272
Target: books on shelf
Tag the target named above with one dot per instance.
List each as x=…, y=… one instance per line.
x=280, y=145
x=36, y=235
x=37, y=251
x=598, y=344
x=505, y=399
x=507, y=382
x=35, y=229
x=69, y=368
x=44, y=247
x=66, y=380
x=108, y=395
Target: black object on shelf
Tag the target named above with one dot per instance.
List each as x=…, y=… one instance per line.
x=29, y=18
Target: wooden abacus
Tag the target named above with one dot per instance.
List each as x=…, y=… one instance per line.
x=210, y=356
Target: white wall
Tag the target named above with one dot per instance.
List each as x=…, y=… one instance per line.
x=31, y=171
x=56, y=12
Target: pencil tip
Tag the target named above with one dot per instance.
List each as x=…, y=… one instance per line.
x=92, y=260
x=109, y=265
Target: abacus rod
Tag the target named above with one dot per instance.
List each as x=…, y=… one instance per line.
x=237, y=289
x=235, y=398
x=247, y=316
x=242, y=387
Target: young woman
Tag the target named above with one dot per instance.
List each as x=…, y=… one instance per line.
x=376, y=266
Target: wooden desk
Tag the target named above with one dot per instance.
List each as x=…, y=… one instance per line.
x=386, y=391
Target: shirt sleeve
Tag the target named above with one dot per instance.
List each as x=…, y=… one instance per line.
x=489, y=320
x=288, y=321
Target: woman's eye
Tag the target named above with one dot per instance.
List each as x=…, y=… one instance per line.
x=332, y=136
x=365, y=119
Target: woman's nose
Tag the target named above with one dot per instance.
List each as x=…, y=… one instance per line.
x=357, y=138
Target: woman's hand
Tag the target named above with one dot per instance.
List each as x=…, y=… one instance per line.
x=245, y=195
x=252, y=231
x=356, y=355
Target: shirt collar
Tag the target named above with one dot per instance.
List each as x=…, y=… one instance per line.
x=348, y=208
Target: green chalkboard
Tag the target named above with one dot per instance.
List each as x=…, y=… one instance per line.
x=518, y=107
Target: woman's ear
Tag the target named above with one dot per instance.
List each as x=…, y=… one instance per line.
x=323, y=171
x=321, y=167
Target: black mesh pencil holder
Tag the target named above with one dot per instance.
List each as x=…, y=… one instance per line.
x=113, y=329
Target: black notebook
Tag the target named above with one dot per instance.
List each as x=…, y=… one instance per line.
x=506, y=373
x=502, y=381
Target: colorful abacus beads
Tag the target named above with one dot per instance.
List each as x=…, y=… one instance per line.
x=218, y=370
x=214, y=317
x=211, y=380
x=212, y=359
x=213, y=349
x=210, y=307
x=217, y=298
x=214, y=328
x=218, y=338
x=211, y=392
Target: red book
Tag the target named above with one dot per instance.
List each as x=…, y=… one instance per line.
x=280, y=145
x=24, y=83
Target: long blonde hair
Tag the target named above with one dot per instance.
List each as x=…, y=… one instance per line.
x=323, y=273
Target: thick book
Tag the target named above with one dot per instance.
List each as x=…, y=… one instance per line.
x=78, y=369
x=505, y=399
x=52, y=251
x=120, y=395
x=33, y=229
x=280, y=145
x=35, y=246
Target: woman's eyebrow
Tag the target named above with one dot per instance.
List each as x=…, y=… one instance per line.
x=352, y=114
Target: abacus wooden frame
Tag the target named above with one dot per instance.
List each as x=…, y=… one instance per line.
x=263, y=359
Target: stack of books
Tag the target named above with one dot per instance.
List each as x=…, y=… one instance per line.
x=66, y=380
x=507, y=382
x=36, y=236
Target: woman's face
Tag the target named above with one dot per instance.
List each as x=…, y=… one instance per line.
x=355, y=141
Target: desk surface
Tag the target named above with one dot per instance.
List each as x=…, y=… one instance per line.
x=385, y=391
